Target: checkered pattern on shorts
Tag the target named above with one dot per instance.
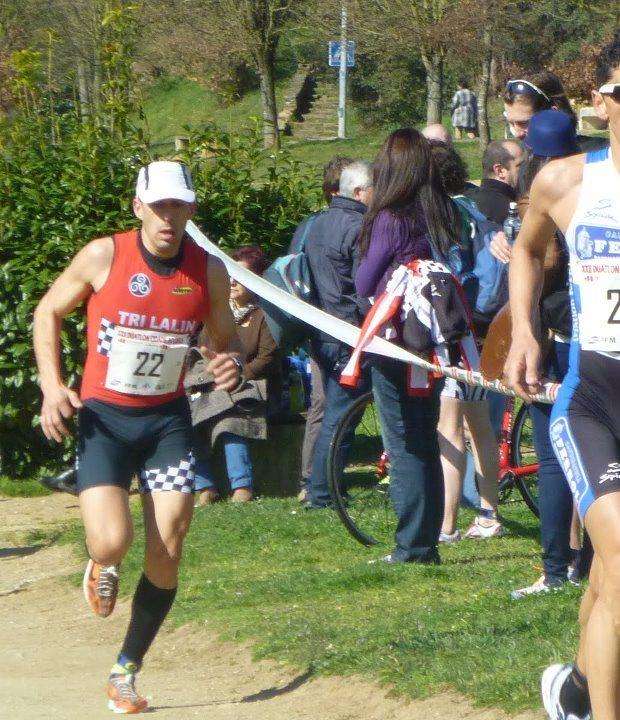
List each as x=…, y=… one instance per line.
x=105, y=337
x=462, y=391
x=179, y=477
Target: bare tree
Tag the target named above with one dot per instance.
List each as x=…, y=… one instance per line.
x=417, y=26
x=208, y=33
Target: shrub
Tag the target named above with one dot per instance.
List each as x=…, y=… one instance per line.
x=58, y=196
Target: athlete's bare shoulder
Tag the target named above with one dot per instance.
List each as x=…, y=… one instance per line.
x=94, y=261
x=556, y=189
x=559, y=177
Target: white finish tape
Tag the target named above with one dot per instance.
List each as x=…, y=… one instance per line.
x=342, y=330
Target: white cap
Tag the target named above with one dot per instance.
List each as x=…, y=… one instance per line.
x=165, y=180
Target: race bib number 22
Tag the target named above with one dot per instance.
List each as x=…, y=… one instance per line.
x=144, y=362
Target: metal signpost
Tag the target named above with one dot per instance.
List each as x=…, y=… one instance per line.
x=340, y=59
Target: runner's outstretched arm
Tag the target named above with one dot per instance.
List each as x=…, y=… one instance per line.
x=522, y=369
x=225, y=352
x=87, y=271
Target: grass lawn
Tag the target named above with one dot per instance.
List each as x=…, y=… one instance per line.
x=22, y=487
x=296, y=585
x=171, y=103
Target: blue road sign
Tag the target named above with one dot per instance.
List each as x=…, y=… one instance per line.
x=334, y=53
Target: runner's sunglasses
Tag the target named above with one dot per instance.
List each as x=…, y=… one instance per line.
x=525, y=87
x=611, y=89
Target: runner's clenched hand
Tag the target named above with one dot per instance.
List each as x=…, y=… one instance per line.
x=224, y=367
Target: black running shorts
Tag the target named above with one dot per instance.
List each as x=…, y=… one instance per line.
x=115, y=443
x=585, y=426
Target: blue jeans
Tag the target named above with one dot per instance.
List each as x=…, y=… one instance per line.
x=238, y=464
x=409, y=430
x=331, y=358
x=555, y=500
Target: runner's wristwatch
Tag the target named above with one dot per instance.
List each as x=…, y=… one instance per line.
x=239, y=365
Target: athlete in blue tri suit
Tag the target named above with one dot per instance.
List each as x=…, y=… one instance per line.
x=580, y=195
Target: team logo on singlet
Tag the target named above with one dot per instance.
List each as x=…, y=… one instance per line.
x=140, y=285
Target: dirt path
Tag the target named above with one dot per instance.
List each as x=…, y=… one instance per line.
x=55, y=653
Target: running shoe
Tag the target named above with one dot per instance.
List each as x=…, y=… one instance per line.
x=100, y=587
x=123, y=698
x=449, y=538
x=551, y=684
x=478, y=531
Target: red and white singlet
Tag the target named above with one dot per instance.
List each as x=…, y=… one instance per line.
x=140, y=324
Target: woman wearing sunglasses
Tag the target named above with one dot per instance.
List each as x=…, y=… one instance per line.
x=528, y=95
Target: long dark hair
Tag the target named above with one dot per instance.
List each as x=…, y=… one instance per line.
x=407, y=182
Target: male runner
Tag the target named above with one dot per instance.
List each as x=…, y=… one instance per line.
x=580, y=195
x=148, y=293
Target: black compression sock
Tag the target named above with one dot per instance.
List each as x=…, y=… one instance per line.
x=148, y=610
x=574, y=695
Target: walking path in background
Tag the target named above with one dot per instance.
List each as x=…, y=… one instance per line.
x=55, y=654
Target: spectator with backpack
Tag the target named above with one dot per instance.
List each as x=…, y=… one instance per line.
x=332, y=254
x=410, y=217
x=314, y=416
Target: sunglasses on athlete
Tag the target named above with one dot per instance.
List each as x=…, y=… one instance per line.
x=525, y=87
x=611, y=89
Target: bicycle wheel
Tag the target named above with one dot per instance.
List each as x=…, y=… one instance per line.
x=358, y=475
x=524, y=454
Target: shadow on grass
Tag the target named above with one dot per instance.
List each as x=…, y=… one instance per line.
x=491, y=558
x=520, y=530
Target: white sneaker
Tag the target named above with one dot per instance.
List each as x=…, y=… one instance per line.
x=478, y=531
x=553, y=678
x=537, y=588
x=449, y=538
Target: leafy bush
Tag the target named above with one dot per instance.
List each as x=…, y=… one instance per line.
x=56, y=197
x=246, y=194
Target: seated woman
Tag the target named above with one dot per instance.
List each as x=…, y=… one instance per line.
x=241, y=415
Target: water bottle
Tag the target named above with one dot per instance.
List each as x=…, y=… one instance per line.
x=512, y=224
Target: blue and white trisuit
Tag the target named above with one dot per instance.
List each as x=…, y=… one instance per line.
x=585, y=422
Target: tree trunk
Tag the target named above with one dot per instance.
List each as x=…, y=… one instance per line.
x=82, y=90
x=265, y=67
x=433, y=64
x=484, y=127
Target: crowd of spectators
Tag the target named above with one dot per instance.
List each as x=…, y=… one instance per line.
x=415, y=202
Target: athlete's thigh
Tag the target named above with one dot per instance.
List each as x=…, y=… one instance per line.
x=106, y=516
x=167, y=477
x=587, y=450
x=104, y=458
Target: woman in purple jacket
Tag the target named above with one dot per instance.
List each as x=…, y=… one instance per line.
x=409, y=215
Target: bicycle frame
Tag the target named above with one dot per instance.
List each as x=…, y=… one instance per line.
x=506, y=468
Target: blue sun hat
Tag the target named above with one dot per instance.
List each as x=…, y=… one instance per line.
x=551, y=133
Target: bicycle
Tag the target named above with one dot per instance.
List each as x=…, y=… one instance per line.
x=358, y=469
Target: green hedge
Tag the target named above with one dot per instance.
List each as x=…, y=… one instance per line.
x=58, y=196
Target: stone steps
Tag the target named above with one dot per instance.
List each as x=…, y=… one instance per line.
x=321, y=122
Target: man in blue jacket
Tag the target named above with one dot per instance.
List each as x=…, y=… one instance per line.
x=332, y=251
